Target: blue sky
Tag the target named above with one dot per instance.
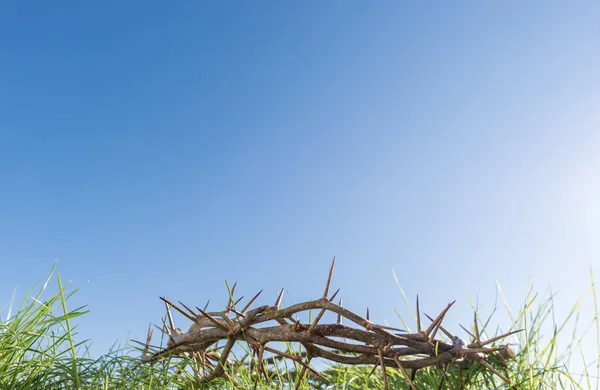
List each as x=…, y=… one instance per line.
x=159, y=149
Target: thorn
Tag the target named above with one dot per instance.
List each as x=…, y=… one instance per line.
x=470, y=334
x=162, y=330
x=166, y=328
x=238, y=301
x=205, y=306
x=418, y=316
x=383, y=372
x=174, y=306
x=279, y=299
x=492, y=369
x=316, y=321
x=368, y=314
x=408, y=378
x=296, y=325
x=236, y=312
x=334, y=295
x=500, y=337
x=439, y=319
x=329, y=279
x=297, y=359
x=373, y=369
x=251, y=302
x=168, y=312
x=448, y=334
x=188, y=309
x=435, y=330
x=302, y=372
x=339, y=316
x=214, y=320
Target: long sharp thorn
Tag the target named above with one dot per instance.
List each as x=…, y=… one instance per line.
x=418, y=316
x=410, y=382
x=439, y=319
x=297, y=359
x=368, y=319
x=167, y=329
x=329, y=279
x=187, y=308
x=162, y=330
x=339, y=316
x=373, y=369
x=279, y=299
x=334, y=295
x=500, y=337
x=174, y=306
x=251, y=302
x=316, y=321
x=448, y=334
x=238, y=301
x=205, y=306
x=214, y=321
x=236, y=312
x=469, y=332
x=435, y=330
x=383, y=372
x=492, y=369
x=168, y=312
x=302, y=372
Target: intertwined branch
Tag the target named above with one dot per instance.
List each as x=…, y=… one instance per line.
x=364, y=343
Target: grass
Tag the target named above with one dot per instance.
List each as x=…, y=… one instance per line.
x=39, y=349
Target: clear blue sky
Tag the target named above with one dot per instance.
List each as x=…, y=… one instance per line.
x=159, y=148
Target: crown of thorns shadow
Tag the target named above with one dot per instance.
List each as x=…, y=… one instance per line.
x=364, y=343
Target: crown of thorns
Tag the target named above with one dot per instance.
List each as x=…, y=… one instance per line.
x=364, y=342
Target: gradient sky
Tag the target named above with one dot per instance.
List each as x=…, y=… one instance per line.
x=158, y=148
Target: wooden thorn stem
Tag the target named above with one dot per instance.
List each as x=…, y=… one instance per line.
x=326, y=293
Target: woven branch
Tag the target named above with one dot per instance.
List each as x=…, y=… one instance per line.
x=363, y=343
